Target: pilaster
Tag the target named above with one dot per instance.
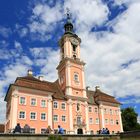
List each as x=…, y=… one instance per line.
x=120, y=118
x=70, y=115
x=68, y=80
x=87, y=118
x=50, y=111
x=14, y=108
x=102, y=116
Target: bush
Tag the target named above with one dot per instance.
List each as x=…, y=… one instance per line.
x=53, y=137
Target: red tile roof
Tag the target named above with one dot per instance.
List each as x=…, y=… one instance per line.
x=54, y=87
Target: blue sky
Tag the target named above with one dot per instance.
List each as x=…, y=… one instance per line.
x=109, y=29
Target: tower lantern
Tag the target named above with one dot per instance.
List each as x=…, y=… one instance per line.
x=68, y=26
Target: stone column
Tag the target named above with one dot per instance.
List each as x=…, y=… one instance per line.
x=50, y=117
x=14, y=109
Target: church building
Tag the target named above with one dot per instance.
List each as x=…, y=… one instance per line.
x=65, y=102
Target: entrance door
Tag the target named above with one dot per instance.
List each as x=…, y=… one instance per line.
x=79, y=131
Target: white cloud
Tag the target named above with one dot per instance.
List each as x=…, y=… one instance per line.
x=126, y=2
x=105, y=52
x=5, y=32
x=18, y=46
x=88, y=13
x=44, y=19
x=47, y=59
x=112, y=59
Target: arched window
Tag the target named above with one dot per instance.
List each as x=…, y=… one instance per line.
x=74, y=48
x=76, y=77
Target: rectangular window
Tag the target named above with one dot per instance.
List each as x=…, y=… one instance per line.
x=33, y=116
x=55, y=105
x=22, y=100
x=105, y=111
x=43, y=131
x=43, y=116
x=90, y=121
x=32, y=130
x=55, y=118
x=33, y=102
x=22, y=115
x=116, y=112
x=43, y=103
x=111, y=122
x=106, y=121
x=97, y=120
x=117, y=122
x=63, y=118
x=79, y=120
x=111, y=112
x=96, y=110
x=63, y=106
x=89, y=109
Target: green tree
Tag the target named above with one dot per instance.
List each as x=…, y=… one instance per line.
x=129, y=119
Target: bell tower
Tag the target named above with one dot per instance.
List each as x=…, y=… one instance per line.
x=71, y=67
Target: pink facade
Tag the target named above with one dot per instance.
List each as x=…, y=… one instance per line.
x=66, y=101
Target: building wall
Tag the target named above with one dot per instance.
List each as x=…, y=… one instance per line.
x=39, y=124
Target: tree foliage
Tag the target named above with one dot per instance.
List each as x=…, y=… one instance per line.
x=129, y=119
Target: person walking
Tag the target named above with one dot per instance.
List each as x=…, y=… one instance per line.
x=17, y=129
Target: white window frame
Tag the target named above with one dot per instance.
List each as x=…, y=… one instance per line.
x=57, y=118
x=24, y=115
x=111, y=112
x=35, y=116
x=76, y=77
x=95, y=109
x=105, y=111
x=96, y=121
x=43, y=131
x=62, y=118
x=54, y=105
x=31, y=130
x=41, y=116
x=117, y=122
x=20, y=100
x=111, y=121
x=64, y=104
x=35, y=102
x=90, y=122
x=106, y=121
x=116, y=112
x=90, y=109
x=80, y=119
x=42, y=104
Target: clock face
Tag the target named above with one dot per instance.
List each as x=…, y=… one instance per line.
x=74, y=41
